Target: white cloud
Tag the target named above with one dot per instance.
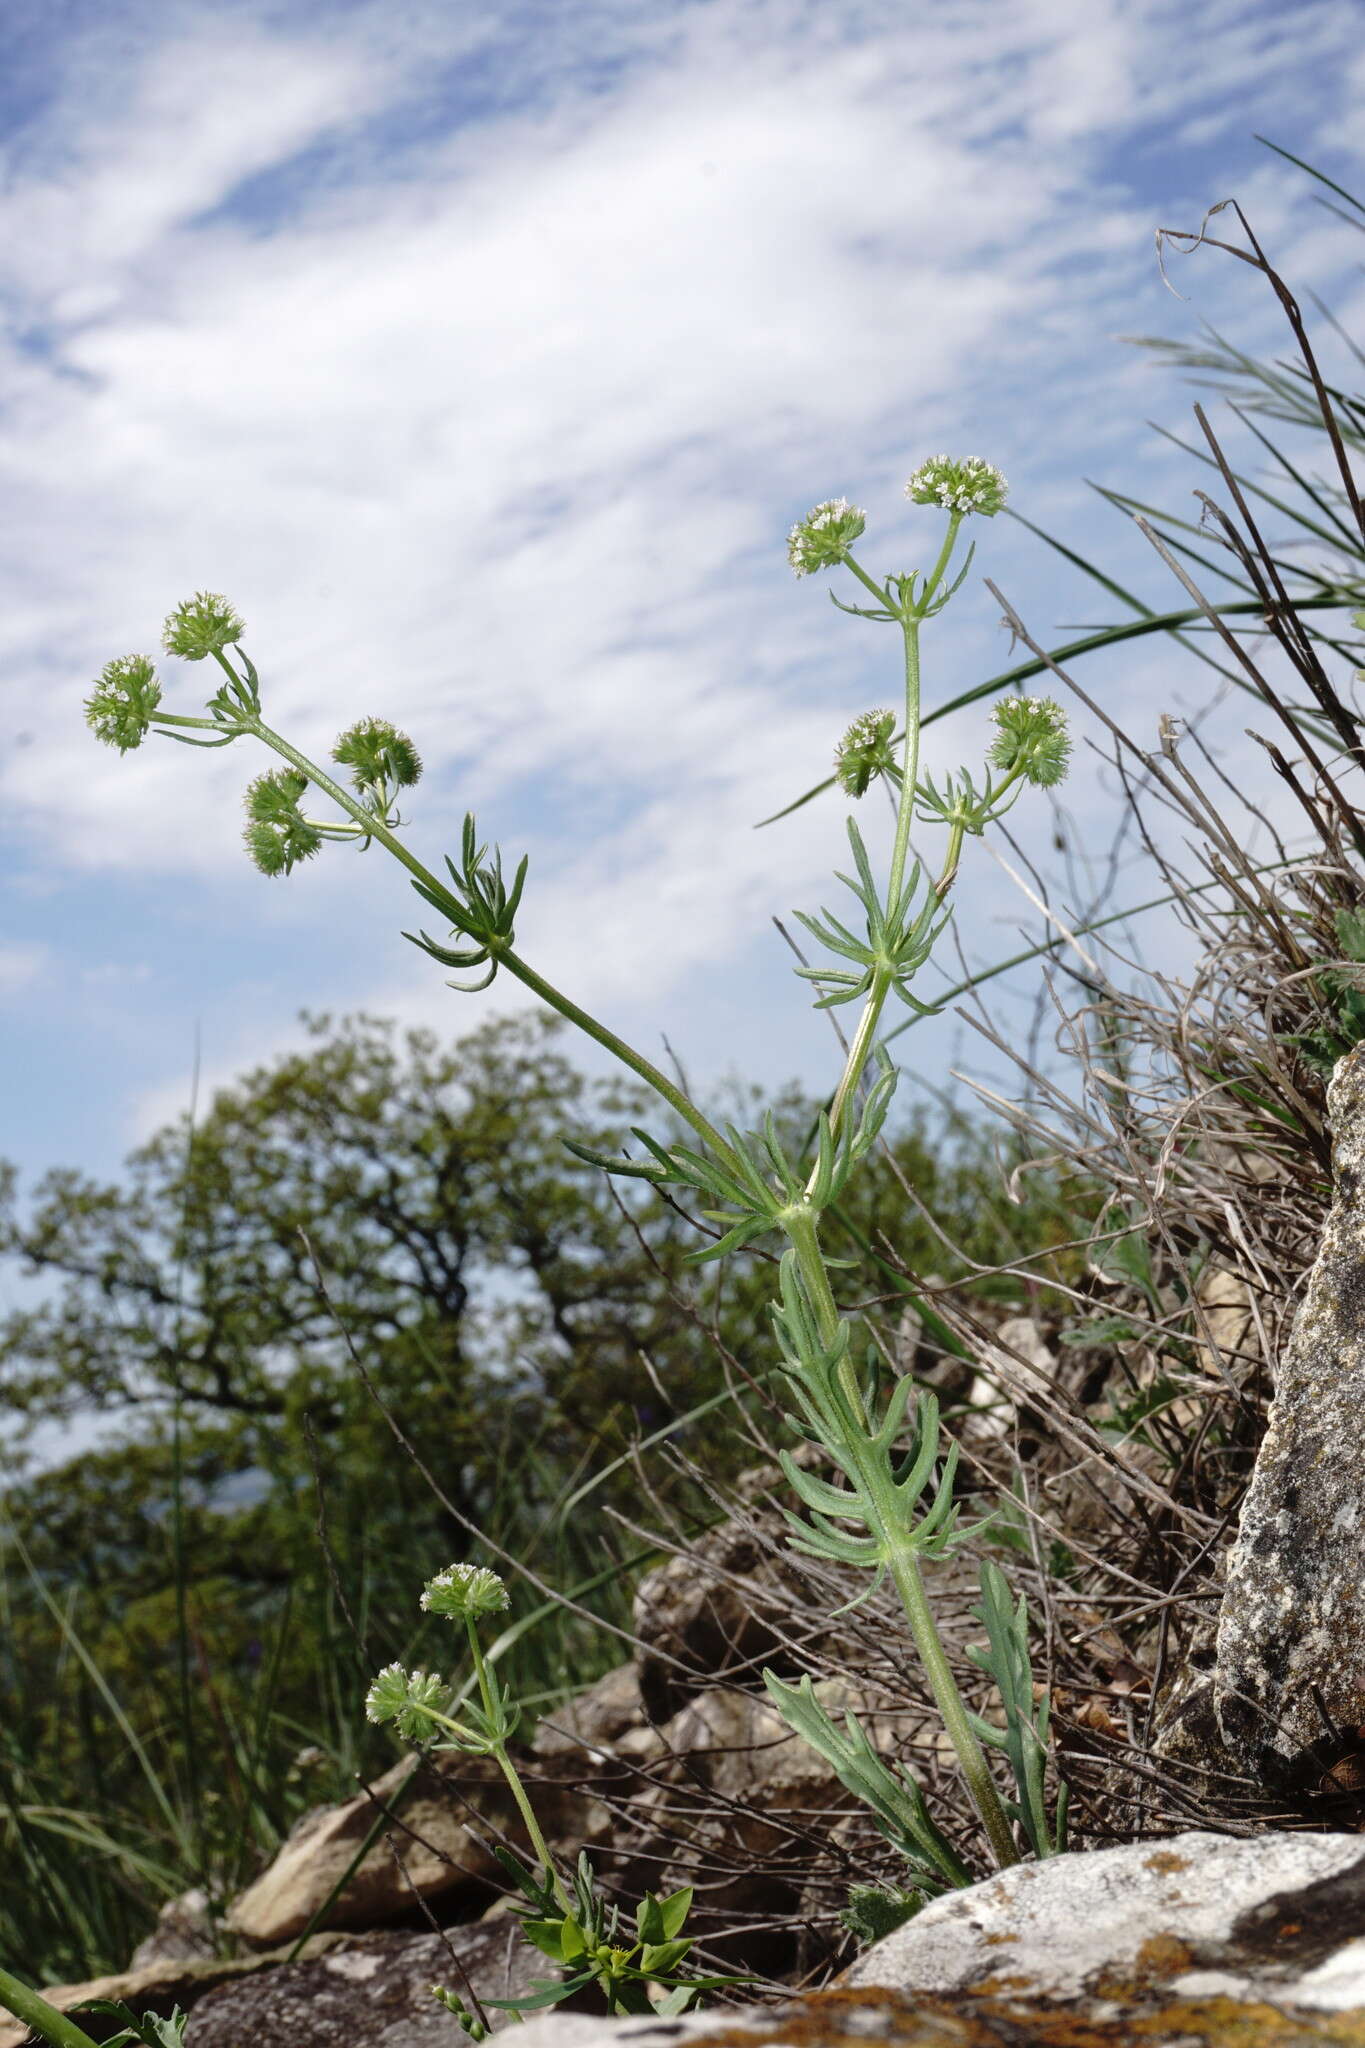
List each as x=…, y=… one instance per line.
x=500, y=435
x=20, y=967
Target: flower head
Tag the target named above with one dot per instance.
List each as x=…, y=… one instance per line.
x=1031, y=735
x=967, y=485
x=203, y=624
x=823, y=538
x=277, y=835
x=376, y=752
x=464, y=1592
x=121, y=706
x=408, y=1698
x=864, y=751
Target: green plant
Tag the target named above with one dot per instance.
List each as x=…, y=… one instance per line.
x=751, y=1185
x=60, y=2031
x=569, y=1923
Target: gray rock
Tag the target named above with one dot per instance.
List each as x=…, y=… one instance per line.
x=594, y=1719
x=1276, y=1918
x=1291, y=1633
x=157, y=1987
x=184, y=1930
x=1255, y=1943
x=443, y=1809
x=1200, y=1939
x=370, y=1991
x=719, y=1608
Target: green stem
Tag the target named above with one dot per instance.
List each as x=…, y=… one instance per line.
x=509, y=1771
x=904, y=1565
x=803, y=1231
x=860, y=1051
x=909, y=766
x=910, y=1585
x=948, y=873
x=40, y=2017
x=626, y=1054
x=870, y=582
x=937, y=572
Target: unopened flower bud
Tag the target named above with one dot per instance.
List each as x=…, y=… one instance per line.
x=122, y=704
x=823, y=538
x=967, y=485
x=1031, y=736
x=277, y=834
x=864, y=751
x=204, y=624
x=376, y=752
x=464, y=1592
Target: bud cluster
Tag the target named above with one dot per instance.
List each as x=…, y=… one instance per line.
x=205, y=624
x=408, y=1698
x=120, y=708
x=378, y=755
x=277, y=835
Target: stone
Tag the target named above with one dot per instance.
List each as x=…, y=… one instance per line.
x=157, y=1987
x=455, y=1806
x=1195, y=1915
x=718, y=1609
x=1291, y=1630
x=184, y=1929
x=739, y=1806
x=371, y=1991
x=1232, y=1943
x=1227, y=1337
x=594, y=1719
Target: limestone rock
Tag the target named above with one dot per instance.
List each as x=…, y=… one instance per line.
x=1292, y=1624
x=441, y=1814
x=1199, y=1939
x=1277, y=1917
x=1227, y=1338
x=370, y=1991
x=736, y=1805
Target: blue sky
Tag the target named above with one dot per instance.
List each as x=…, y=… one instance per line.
x=483, y=356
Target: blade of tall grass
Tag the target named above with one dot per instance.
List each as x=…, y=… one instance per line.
x=1314, y=172
x=72, y=1639
x=1092, y=643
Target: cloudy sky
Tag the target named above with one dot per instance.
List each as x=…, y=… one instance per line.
x=483, y=355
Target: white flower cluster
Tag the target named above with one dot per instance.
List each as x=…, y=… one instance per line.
x=464, y=1592
x=1031, y=736
x=406, y=1697
x=968, y=485
x=864, y=751
x=824, y=536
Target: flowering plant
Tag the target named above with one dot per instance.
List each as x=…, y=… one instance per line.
x=890, y=1507
x=568, y=1922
